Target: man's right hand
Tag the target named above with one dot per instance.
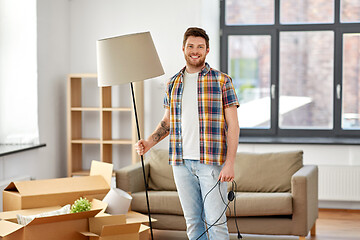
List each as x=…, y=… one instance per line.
x=142, y=147
x=162, y=130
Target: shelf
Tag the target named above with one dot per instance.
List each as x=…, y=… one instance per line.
x=81, y=173
x=86, y=141
x=118, y=141
x=117, y=109
x=83, y=75
x=98, y=143
x=85, y=109
x=85, y=173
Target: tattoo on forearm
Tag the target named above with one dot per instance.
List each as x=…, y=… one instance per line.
x=161, y=131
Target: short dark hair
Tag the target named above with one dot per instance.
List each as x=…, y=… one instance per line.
x=196, y=32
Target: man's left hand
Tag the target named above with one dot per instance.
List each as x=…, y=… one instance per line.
x=227, y=173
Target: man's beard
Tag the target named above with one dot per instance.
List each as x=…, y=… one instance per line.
x=200, y=63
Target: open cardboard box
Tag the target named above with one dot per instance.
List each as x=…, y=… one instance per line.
x=33, y=197
x=116, y=227
x=66, y=226
x=92, y=225
x=61, y=191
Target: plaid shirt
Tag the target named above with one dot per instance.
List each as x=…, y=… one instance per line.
x=215, y=93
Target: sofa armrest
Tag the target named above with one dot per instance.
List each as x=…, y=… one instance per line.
x=304, y=188
x=130, y=178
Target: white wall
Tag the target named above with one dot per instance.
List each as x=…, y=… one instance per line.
x=53, y=66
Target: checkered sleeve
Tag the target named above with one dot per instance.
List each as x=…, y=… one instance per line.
x=229, y=94
x=167, y=96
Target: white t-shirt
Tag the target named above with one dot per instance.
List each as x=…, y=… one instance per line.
x=190, y=117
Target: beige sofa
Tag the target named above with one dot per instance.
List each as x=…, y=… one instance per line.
x=276, y=194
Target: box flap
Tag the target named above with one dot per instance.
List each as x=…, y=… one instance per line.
x=89, y=234
x=98, y=222
x=110, y=230
x=144, y=232
x=97, y=204
x=59, y=185
x=103, y=169
x=135, y=217
x=101, y=214
x=7, y=228
x=143, y=228
x=65, y=217
x=11, y=215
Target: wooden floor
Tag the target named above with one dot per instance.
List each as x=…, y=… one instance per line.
x=331, y=225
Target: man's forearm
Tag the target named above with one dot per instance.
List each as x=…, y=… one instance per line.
x=160, y=133
x=233, y=133
x=232, y=143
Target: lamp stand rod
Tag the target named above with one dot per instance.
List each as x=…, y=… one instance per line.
x=142, y=159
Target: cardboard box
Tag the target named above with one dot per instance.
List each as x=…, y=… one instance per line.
x=60, y=227
x=66, y=226
x=61, y=191
x=94, y=224
x=113, y=227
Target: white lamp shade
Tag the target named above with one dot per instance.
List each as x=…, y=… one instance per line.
x=127, y=58
x=118, y=201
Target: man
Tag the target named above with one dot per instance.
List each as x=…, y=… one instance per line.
x=201, y=118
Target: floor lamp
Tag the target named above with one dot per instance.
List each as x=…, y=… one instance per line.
x=127, y=59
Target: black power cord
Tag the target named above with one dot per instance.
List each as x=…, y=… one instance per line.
x=231, y=197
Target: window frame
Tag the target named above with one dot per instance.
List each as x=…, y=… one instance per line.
x=273, y=30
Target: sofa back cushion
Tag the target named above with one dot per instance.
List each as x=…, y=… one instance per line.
x=254, y=172
x=266, y=172
x=161, y=176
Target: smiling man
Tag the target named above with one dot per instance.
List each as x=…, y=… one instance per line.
x=201, y=118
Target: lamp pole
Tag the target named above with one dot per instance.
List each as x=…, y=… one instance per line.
x=142, y=159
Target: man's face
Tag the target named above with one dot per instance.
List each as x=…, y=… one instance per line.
x=195, y=51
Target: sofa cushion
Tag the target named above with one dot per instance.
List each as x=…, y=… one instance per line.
x=162, y=202
x=262, y=204
x=266, y=172
x=161, y=175
x=247, y=204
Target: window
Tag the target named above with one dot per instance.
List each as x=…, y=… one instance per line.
x=295, y=66
x=18, y=72
x=306, y=79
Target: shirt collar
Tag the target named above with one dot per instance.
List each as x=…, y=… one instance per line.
x=203, y=71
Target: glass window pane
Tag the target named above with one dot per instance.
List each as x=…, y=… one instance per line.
x=249, y=12
x=306, y=80
x=350, y=11
x=351, y=82
x=314, y=11
x=249, y=66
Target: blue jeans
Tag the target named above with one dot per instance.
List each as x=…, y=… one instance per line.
x=193, y=181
